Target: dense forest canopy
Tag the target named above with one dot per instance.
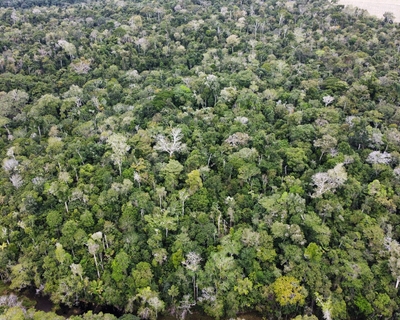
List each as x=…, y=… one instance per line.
x=226, y=156
x=23, y=4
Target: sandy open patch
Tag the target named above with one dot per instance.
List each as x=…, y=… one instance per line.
x=376, y=7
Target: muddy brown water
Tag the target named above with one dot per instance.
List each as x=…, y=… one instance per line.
x=376, y=7
x=198, y=316
x=43, y=303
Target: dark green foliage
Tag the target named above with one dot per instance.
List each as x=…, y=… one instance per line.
x=238, y=156
x=33, y=3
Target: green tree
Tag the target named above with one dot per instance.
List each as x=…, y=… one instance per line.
x=288, y=291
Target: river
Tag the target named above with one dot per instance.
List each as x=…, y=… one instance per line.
x=376, y=7
x=43, y=303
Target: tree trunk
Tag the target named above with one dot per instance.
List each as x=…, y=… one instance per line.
x=97, y=267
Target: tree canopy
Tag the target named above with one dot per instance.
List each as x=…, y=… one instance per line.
x=160, y=157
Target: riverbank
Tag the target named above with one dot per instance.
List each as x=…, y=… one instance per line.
x=376, y=8
x=29, y=299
